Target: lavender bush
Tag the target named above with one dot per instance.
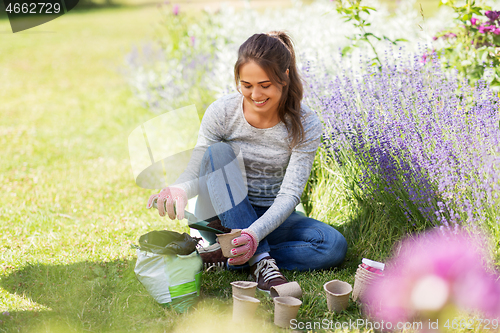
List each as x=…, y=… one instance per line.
x=412, y=140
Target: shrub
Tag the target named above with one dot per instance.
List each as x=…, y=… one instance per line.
x=412, y=143
x=179, y=68
x=472, y=45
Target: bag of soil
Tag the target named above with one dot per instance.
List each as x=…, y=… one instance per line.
x=169, y=267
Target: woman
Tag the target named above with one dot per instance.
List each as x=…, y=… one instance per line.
x=266, y=128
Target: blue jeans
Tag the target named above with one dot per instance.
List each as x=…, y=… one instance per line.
x=299, y=243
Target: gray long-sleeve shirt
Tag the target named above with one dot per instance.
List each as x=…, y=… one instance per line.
x=276, y=174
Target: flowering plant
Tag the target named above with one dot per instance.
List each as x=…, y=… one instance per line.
x=178, y=68
x=433, y=277
x=473, y=44
x=411, y=142
x=354, y=11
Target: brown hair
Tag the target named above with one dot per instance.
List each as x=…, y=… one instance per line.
x=274, y=53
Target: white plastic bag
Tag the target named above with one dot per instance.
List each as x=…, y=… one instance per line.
x=171, y=279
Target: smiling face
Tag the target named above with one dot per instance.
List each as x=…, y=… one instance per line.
x=262, y=97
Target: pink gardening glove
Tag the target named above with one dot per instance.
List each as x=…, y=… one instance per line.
x=170, y=195
x=245, y=247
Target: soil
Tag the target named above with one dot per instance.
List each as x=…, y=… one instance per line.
x=216, y=224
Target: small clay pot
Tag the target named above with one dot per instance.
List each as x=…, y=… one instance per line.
x=291, y=289
x=246, y=288
x=337, y=295
x=244, y=307
x=285, y=309
x=225, y=242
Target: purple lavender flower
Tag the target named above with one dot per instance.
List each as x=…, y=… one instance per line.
x=175, y=10
x=433, y=273
x=409, y=129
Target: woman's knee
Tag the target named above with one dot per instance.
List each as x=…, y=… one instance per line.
x=217, y=156
x=334, y=247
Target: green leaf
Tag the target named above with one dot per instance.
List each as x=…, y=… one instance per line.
x=466, y=17
x=370, y=34
x=346, y=50
x=476, y=11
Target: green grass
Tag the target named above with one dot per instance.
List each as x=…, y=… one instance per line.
x=69, y=208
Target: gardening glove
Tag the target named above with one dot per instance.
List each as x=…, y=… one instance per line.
x=245, y=247
x=166, y=198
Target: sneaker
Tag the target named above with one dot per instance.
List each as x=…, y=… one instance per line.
x=267, y=274
x=212, y=257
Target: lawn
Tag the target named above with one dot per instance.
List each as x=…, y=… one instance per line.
x=69, y=208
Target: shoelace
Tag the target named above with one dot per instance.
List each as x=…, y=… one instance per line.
x=218, y=266
x=268, y=269
x=209, y=248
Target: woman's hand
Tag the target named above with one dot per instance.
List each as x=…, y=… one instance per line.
x=166, y=199
x=245, y=247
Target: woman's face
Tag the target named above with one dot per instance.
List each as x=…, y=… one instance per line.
x=261, y=95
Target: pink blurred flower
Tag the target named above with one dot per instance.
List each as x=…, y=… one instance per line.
x=175, y=10
x=497, y=31
x=486, y=28
x=193, y=40
x=473, y=21
x=432, y=274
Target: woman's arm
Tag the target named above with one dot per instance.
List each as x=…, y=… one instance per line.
x=211, y=131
